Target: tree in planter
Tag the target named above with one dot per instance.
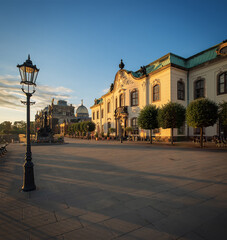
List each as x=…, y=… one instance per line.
x=223, y=113
x=112, y=130
x=70, y=130
x=129, y=130
x=90, y=127
x=96, y=136
x=102, y=135
x=84, y=127
x=81, y=129
x=171, y=115
x=202, y=113
x=74, y=129
x=148, y=118
x=108, y=135
x=77, y=128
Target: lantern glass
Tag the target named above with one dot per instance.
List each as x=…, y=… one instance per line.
x=28, y=72
x=28, y=88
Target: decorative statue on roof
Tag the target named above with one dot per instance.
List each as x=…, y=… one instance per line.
x=111, y=87
x=143, y=70
x=121, y=65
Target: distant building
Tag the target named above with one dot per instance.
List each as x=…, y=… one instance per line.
x=169, y=78
x=56, y=114
x=81, y=115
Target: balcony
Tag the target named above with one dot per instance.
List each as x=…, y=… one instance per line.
x=121, y=112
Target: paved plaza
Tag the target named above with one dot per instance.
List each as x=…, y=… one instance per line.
x=108, y=190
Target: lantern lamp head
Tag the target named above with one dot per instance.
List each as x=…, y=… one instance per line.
x=28, y=73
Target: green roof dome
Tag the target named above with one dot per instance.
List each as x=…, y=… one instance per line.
x=82, y=111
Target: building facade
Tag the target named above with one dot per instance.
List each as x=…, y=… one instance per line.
x=170, y=78
x=56, y=114
x=81, y=115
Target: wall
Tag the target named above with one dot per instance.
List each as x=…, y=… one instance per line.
x=209, y=72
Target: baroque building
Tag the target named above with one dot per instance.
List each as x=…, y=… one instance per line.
x=81, y=115
x=169, y=78
x=56, y=114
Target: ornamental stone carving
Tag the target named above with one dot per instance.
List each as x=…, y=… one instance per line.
x=156, y=81
x=144, y=83
x=123, y=80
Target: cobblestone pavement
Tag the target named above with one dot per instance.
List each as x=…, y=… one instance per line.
x=107, y=190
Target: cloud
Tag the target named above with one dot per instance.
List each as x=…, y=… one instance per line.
x=11, y=94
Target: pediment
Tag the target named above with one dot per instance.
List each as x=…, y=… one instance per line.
x=122, y=80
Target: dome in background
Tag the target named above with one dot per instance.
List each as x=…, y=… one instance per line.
x=82, y=111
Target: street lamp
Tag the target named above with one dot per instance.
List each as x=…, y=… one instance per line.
x=28, y=73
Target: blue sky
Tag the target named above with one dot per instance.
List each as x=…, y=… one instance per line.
x=78, y=44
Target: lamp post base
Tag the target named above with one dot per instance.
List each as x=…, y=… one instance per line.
x=28, y=183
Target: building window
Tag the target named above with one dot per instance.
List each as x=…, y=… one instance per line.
x=102, y=113
x=180, y=90
x=116, y=103
x=93, y=115
x=134, y=126
x=108, y=107
x=134, y=98
x=181, y=130
x=97, y=114
x=199, y=89
x=222, y=83
x=121, y=100
x=156, y=95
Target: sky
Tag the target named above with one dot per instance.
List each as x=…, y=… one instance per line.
x=78, y=45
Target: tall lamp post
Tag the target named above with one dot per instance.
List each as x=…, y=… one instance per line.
x=28, y=73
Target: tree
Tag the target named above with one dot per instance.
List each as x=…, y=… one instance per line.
x=129, y=130
x=91, y=126
x=83, y=126
x=223, y=113
x=6, y=127
x=148, y=118
x=171, y=115
x=77, y=128
x=202, y=113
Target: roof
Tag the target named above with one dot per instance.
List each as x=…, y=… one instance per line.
x=82, y=109
x=170, y=58
x=187, y=63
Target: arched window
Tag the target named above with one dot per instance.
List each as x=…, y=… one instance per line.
x=134, y=98
x=102, y=113
x=180, y=90
x=93, y=115
x=222, y=83
x=97, y=114
x=108, y=107
x=121, y=100
x=134, y=125
x=156, y=93
x=116, y=103
x=199, y=89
